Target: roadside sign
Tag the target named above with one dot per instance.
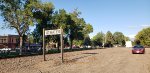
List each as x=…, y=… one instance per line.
x=53, y=32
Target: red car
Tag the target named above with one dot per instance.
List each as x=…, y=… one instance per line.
x=138, y=49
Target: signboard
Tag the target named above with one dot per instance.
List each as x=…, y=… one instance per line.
x=53, y=32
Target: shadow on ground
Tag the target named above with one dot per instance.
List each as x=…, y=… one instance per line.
x=81, y=57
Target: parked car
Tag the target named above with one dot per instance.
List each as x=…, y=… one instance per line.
x=138, y=49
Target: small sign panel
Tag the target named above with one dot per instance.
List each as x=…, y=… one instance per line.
x=53, y=32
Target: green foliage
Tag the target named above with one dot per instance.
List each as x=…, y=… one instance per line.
x=43, y=16
x=144, y=37
x=18, y=15
x=52, y=51
x=109, y=38
x=88, y=29
x=119, y=38
x=87, y=41
x=98, y=39
x=127, y=39
x=137, y=42
x=76, y=27
x=9, y=55
x=78, y=42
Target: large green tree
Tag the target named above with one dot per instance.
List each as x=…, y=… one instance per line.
x=98, y=39
x=43, y=15
x=87, y=41
x=109, y=39
x=62, y=19
x=144, y=36
x=18, y=15
x=119, y=38
x=78, y=29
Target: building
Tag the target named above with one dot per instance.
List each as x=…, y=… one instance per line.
x=128, y=44
x=9, y=41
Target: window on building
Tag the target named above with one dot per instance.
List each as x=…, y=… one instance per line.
x=12, y=40
x=0, y=40
x=4, y=41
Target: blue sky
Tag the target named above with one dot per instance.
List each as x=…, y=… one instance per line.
x=126, y=16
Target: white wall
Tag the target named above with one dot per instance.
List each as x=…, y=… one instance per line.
x=128, y=44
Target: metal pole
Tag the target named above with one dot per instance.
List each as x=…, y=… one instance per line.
x=105, y=38
x=61, y=38
x=103, y=41
x=44, y=44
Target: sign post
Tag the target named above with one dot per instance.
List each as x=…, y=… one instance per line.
x=44, y=44
x=61, y=38
x=53, y=32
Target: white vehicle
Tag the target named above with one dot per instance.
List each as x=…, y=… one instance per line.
x=5, y=49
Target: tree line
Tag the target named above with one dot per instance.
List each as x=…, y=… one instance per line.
x=118, y=38
x=107, y=40
x=21, y=14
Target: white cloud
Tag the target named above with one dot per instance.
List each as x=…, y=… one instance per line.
x=145, y=25
x=131, y=36
x=140, y=26
x=131, y=27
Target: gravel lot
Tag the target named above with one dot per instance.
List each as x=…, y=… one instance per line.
x=110, y=60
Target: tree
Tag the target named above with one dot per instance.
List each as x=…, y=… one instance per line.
x=73, y=26
x=87, y=41
x=109, y=39
x=62, y=19
x=144, y=37
x=87, y=29
x=98, y=39
x=127, y=38
x=137, y=42
x=43, y=15
x=18, y=15
x=119, y=38
x=76, y=29
x=78, y=42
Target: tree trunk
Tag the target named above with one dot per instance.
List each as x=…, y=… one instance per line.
x=71, y=42
x=21, y=41
x=58, y=45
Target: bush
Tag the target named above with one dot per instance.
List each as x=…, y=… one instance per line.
x=9, y=55
x=53, y=51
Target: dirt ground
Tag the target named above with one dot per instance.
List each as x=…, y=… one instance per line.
x=110, y=60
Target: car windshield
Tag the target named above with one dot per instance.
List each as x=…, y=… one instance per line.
x=138, y=47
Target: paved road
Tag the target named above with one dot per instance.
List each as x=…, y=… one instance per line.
x=110, y=60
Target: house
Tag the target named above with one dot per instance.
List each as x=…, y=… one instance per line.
x=9, y=41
